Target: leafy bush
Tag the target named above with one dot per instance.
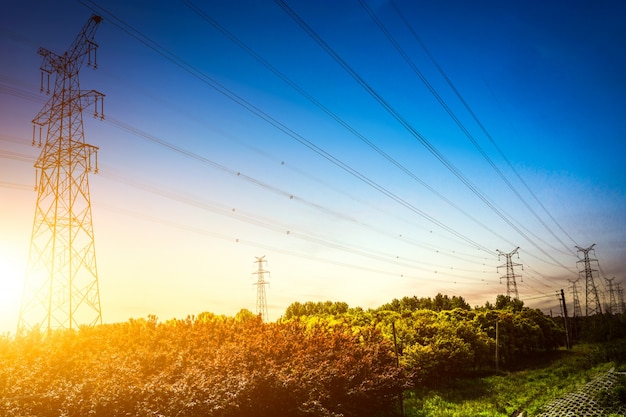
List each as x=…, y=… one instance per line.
x=205, y=366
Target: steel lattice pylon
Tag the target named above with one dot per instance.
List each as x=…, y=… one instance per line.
x=61, y=287
x=592, y=300
x=511, y=283
x=261, y=301
x=577, y=310
x=613, y=308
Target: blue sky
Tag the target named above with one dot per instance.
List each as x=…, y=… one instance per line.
x=194, y=185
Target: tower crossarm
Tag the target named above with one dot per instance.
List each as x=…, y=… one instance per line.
x=71, y=61
x=511, y=284
x=55, y=108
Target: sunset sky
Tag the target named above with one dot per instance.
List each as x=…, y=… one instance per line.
x=370, y=149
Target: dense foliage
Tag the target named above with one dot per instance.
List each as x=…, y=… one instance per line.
x=440, y=302
x=440, y=339
x=205, y=366
x=321, y=359
x=599, y=328
x=311, y=308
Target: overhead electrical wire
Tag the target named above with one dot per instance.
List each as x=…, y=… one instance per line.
x=223, y=210
x=16, y=156
x=288, y=130
x=200, y=75
x=193, y=155
x=16, y=186
x=255, y=220
x=462, y=127
x=175, y=148
x=239, y=241
x=172, y=147
x=409, y=127
x=487, y=134
x=269, y=224
x=34, y=97
x=337, y=118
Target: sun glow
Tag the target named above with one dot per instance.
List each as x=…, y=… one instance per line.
x=11, y=280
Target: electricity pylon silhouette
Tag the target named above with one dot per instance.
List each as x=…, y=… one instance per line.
x=620, y=296
x=261, y=300
x=511, y=284
x=592, y=301
x=577, y=310
x=613, y=309
x=61, y=286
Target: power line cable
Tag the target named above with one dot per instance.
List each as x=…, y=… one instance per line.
x=490, y=137
x=269, y=224
x=409, y=127
x=175, y=148
x=203, y=77
x=13, y=185
x=462, y=127
x=335, y=117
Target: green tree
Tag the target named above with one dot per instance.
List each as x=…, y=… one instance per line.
x=199, y=366
x=506, y=302
x=311, y=308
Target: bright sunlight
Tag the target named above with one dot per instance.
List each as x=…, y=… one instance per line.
x=12, y=271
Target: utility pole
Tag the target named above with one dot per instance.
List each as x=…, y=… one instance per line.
x=592, y=301
x=61, y=286
x=578, y=313
x=511, y=284
x=565, y=323
x=612, y=300
x=497, y=347
x=261, y=300
x=395, y=348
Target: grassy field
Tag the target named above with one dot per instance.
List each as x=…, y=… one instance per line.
x=540, y=382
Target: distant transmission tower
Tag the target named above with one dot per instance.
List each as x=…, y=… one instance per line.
x=613, y=309
x=61, y=286
x=592, y=301
x=577, y=310
x=261, y=300
x=511, y=284
x=620, y=296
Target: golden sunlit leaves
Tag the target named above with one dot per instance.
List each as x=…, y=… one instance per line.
x=206, y=365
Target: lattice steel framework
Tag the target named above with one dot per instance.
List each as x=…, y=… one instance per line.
x=620, y=296
x=613, y=308
x=61, y=287
x=511, y=283
x=261, y=300
x=577, y=310
x=592, y=300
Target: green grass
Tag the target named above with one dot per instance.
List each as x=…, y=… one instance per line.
x=547, y=378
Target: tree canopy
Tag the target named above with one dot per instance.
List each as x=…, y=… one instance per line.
x=202, y=366
x=320, y=359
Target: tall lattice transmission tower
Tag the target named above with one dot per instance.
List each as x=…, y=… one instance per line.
x=592, y=301
x=61, y=286
x=613, y=308
x=261, y=299
x=511, y=283
x=577, y=310
x=620, y=296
